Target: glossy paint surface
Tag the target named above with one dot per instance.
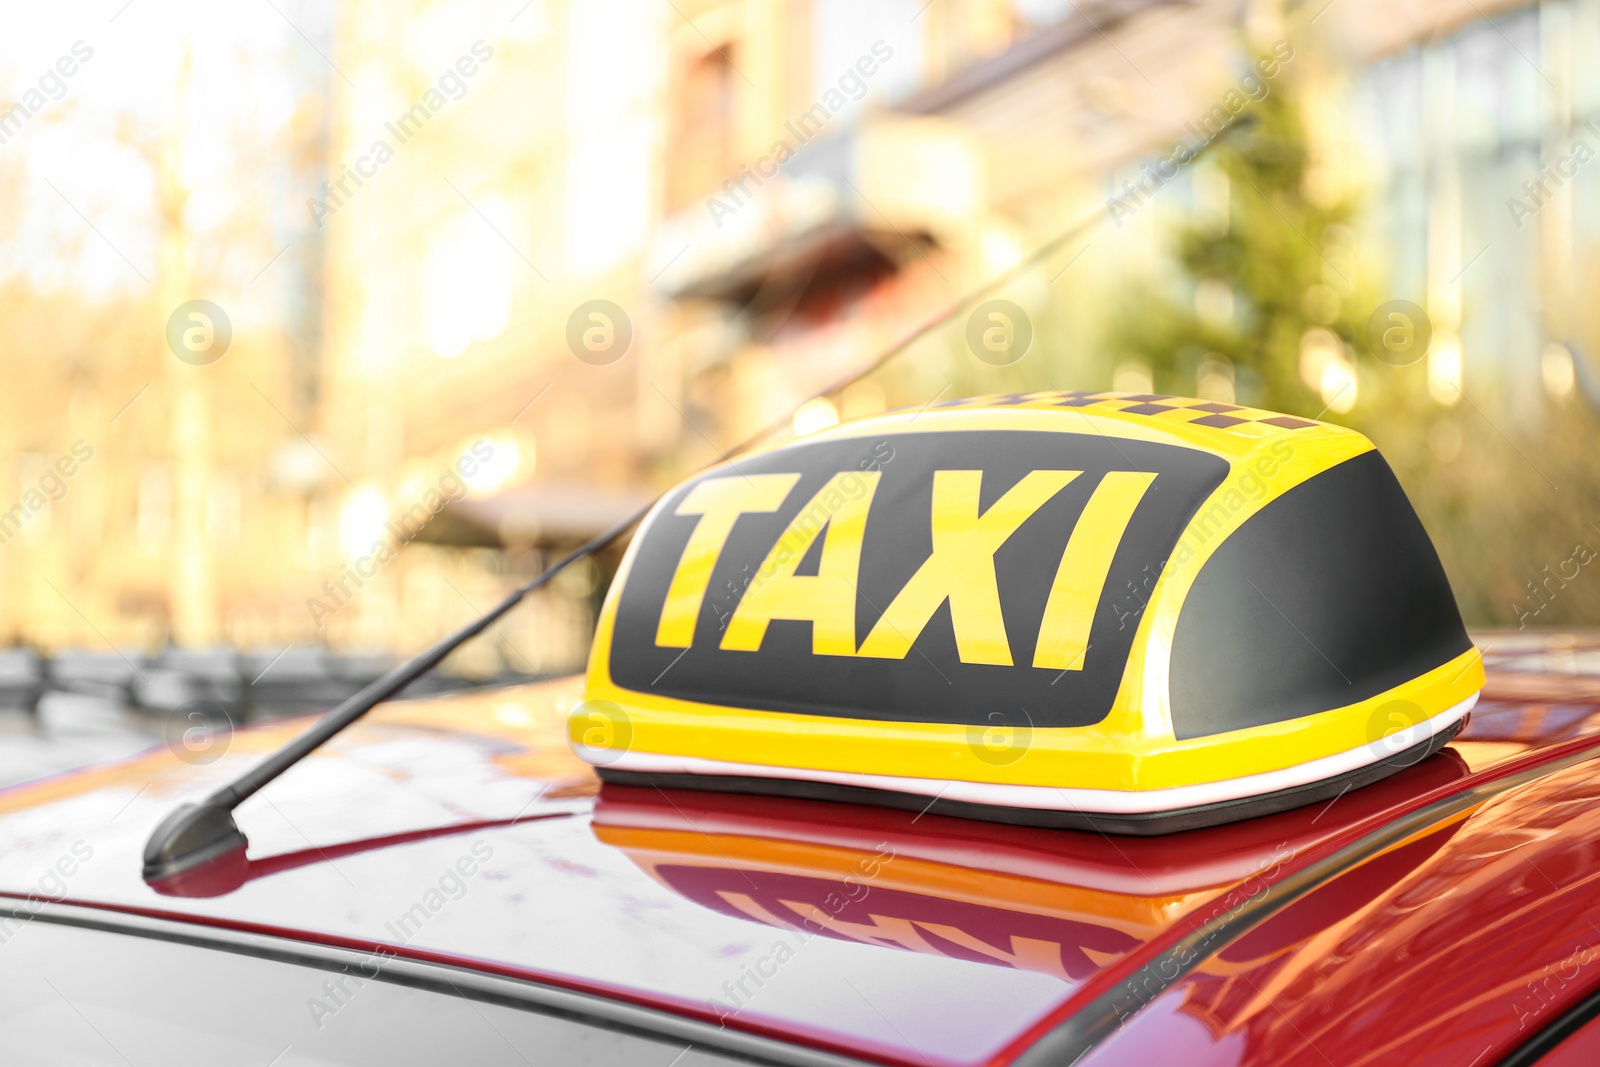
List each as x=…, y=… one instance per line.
x=465, y=830
x=1455, y=947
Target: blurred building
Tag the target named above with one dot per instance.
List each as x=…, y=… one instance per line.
x=980, y=131
x=1477, y=125
x=497, y=273
x=561, y=154
x=141, y=499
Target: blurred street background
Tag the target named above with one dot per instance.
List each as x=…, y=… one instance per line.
x=322, y=324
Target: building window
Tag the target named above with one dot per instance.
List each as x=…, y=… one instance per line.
x=154, y=522
x=701, y=150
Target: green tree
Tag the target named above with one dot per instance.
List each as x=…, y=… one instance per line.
x=1255, y=272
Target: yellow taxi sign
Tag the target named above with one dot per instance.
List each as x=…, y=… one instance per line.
x=1138, y=611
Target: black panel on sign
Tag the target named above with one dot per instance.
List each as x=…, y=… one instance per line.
x=1329, y=595
x=931, y=683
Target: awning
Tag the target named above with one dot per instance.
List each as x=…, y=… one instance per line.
x=533, y=516
x=857, y=199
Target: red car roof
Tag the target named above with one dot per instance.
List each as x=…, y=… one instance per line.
x=1399, y=921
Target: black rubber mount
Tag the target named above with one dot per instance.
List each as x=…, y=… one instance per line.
x=191, y=835
x=1142, y=824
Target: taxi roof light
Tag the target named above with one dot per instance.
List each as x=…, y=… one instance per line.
x=1134, y=612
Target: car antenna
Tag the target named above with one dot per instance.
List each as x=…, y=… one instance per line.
x=197, y=832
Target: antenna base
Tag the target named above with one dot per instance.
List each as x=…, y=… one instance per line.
x=191, y=835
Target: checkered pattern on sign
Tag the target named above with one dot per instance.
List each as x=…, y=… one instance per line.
x=1165, y=408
